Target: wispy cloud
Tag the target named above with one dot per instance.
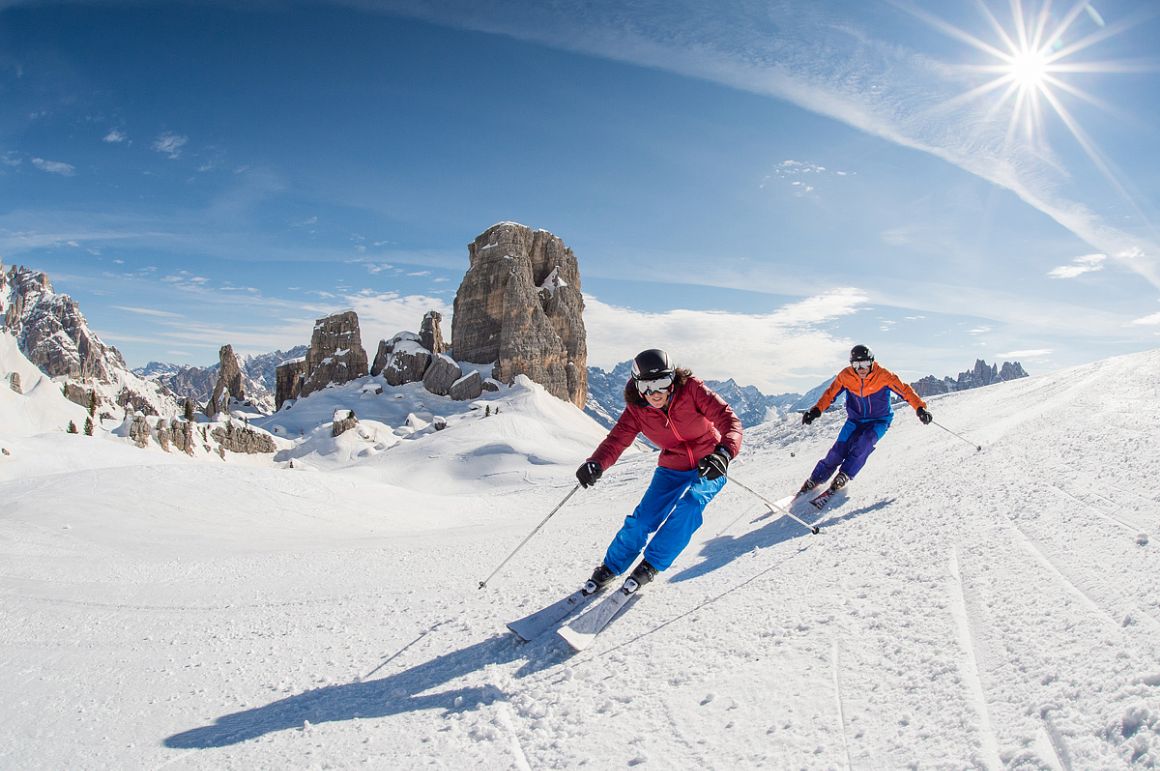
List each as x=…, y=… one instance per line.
x=55, y=167
x=1029, y=353
x=806, y=54
x=170, y=144
x=115, y=137
x=802, y=177
x=153, y=312
x=1088, y=263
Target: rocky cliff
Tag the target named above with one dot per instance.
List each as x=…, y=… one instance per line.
x=519, y=305
x=982, y=374
x=55, y=336
x=336, y=355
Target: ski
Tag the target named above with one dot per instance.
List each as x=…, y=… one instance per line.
x=823, y=500
x=583, y=630
x=544, y=620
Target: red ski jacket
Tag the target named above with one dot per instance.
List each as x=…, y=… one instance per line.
x=694, y=423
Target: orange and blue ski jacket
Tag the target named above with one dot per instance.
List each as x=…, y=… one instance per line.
x=868, y=398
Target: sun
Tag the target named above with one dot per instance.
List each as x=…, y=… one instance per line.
x=1029, y=69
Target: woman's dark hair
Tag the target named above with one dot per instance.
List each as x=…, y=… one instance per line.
x=681, y=376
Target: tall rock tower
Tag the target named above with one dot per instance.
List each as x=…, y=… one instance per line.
x=520, y=306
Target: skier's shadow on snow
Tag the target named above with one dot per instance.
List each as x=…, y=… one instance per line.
x=725, y=548
x=405, y=691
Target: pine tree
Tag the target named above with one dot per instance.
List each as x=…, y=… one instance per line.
x=88, y=426
x=72, y=427
x=189, y=410
x=92, y=404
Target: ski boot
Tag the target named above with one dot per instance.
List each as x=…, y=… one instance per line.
x=641, y=575
x=601, y=577
x=839, y=482
x=807, y=485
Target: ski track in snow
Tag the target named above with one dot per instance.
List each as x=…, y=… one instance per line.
x=970, y=662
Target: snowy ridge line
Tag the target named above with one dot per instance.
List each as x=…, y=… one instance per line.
x=969, y=661
x=1106, y=614
x=835, y=667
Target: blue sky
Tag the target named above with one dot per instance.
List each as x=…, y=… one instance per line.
x=755, y=186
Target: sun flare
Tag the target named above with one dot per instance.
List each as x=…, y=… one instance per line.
x=1030, y=60
x=1029, y=69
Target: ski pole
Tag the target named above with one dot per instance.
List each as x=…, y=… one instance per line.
x=978, y=447
x=775, y=508
x=559, y=505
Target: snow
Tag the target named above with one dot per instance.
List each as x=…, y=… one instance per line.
x=960, y=608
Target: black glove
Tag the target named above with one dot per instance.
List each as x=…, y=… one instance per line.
x=588, y=473
x=810, y=415
x=924, y=416
x=715, y=464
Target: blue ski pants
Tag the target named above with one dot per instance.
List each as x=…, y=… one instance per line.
x=855, y=442
x=672, y=507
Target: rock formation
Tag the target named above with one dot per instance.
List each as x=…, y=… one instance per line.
x=520, y=306
x=54, y=335
x=402, y=359
x=243, y=439
x=978, y=376
x=336, y=355
x=441, y=375
x=430, y=333
x=229, y=383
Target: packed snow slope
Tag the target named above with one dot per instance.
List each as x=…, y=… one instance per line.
x=962, y=608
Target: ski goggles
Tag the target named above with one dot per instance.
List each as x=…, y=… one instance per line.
x=654, y=386
x=862, y=364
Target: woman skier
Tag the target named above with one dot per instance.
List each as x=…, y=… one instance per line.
x=868, y=414
x=698, y=434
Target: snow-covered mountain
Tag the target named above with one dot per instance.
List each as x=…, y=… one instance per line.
x=961, y=609
x=606, y=397
x=197, y=383
x=54, y=336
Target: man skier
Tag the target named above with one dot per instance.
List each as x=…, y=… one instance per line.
x=868, y=414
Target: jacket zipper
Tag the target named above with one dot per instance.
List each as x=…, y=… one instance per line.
x=676, y=433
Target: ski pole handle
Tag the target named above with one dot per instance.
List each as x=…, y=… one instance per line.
x=559, y=505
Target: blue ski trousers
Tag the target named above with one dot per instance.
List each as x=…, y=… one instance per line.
x=672, y=507
x=855, y=442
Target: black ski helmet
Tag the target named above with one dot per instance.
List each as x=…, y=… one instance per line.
x=651, y=364
x=861, y=353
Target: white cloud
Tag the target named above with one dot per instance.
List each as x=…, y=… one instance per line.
x=170, y=144
x=1029, y=353
x=1088, y=263
x=383, y=314
x=1148, y=321
x=115, y=137
x=783, y=350
x=54, y=167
